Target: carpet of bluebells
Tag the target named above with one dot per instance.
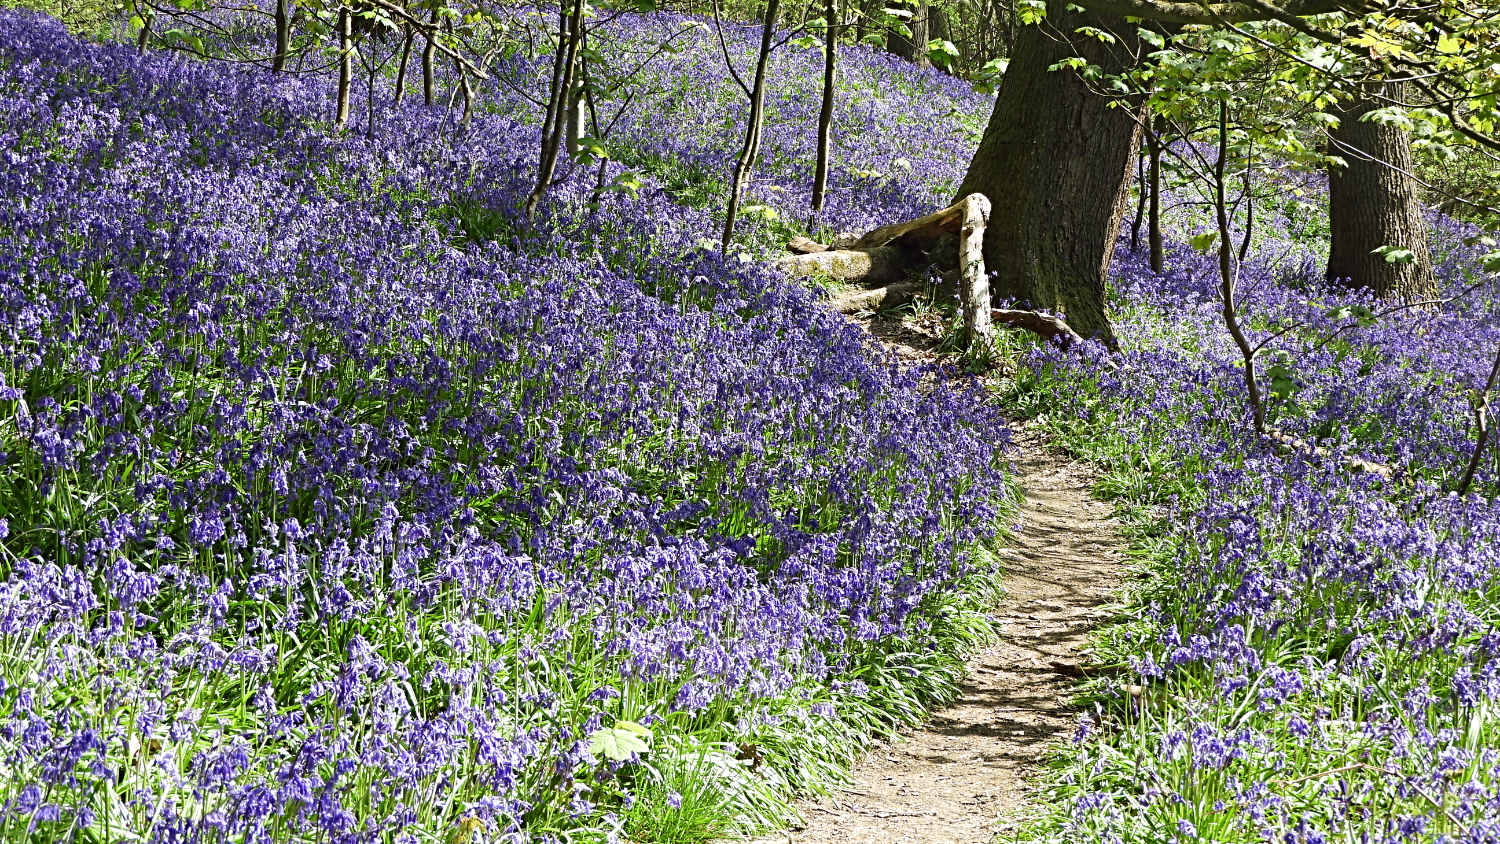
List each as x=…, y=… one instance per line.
x=341, y=504
x=1315, y=652
x=338, y=503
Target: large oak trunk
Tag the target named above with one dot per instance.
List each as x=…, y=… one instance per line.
x=1055, y=163
x=1372, y=202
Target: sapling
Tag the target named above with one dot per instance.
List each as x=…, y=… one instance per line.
x=1227, y=273
x=1480, y=401
x=756, y=92
x=346, y=66
x=825, y=114
x=569, y=37
x=407, y=36
x=429, y=61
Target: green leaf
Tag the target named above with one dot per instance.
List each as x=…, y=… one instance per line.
x=1362, y=314
x=1032, y=11
x=1203, y=242
x=763, y=212
x=590, y=149
x=619, y=742
x=1491, y=262
x=942, y=53
x=1395, y=255
x=1282, y=383
x=627, y=182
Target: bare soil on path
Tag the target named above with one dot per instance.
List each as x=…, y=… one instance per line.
x=962, y=777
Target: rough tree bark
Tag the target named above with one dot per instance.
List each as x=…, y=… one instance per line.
x=1372, y=202
x=912, y=47
x=862, y=25
x=939, y=29
x=1056, y=162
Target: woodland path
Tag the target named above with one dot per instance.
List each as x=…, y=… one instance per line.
x=961, y=777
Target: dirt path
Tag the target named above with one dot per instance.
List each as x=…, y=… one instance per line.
x=961, y=777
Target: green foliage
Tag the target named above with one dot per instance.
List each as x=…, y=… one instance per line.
x=92, y=19
x=476, y=221
x=620, y=742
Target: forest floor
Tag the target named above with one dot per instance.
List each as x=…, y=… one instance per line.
x=962, y=777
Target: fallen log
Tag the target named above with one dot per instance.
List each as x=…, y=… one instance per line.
x=919, y=230
x=880, y=265
x=1353, y=464
x=1045, y=325
x=879, y=299
x=805, y=246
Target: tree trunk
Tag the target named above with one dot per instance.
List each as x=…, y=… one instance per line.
x=1372, y=203
x=938, y=29
x=370, y=100
x=751, y=149
x=145, y=36
x=1055, y=163
x=406, y=40
x=863, y=26
x=1153, y=227
x=429, y=63
x=346, y=66
x=912, y=47
x=554, y=124
x=825, y=115
x=466, y=91
x=577, y=107
x=283, y=36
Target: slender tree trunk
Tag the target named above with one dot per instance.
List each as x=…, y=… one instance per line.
x=751, y=149
x=283, y=36
x=370, y=100
x=1481, y=404
x=825, y=115
x=1056, y=162
x=145, y=36
x=1227, y=276
x=979, y=332
x=1140, y=206
x=577, y=104
x=1153, y=225
x=401, y=67
x=346, y=65
x=1372, y=202
x=429, y=63
x=570, y=33
x=466, y=91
